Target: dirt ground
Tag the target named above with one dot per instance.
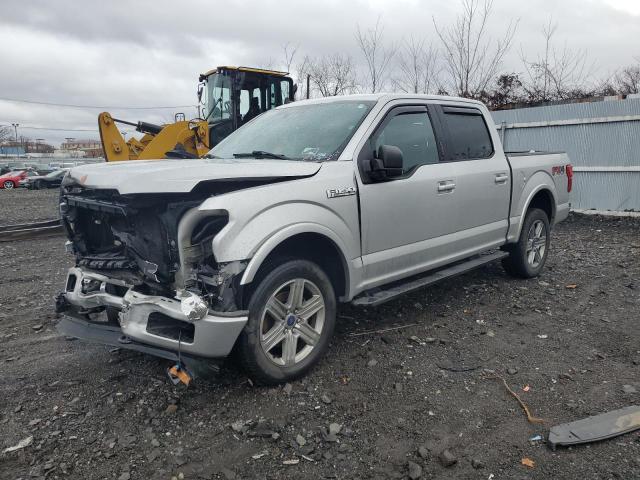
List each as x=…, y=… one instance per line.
x=398, y=398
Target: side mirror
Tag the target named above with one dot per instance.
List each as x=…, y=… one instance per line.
x=387, y=162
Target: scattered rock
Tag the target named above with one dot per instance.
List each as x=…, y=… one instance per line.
x=372, y=363
x=397, y=387
x=300, y=440
x=287, y=389
x=326, y=399
x=415, y=470
x=430, y=340
x=228, y=474
x=423, y=451
x=238, y=426
x=155, y=442
x=629, y=389
x=37, y=328
x=155, y=453
x=171, y=409
x=125, y=476
x=25, y=442
x=334, y=428
x=477, y=464
x=447, y=459
x=512, y=371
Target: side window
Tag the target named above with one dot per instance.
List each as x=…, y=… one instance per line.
x=244, y=102
x=284, y=90
x=413, y=134
x=468, y=134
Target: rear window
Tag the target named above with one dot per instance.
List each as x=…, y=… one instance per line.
x=468, y=134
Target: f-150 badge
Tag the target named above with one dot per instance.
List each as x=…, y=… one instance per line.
x=341, y=192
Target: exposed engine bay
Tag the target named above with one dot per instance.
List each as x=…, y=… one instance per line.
x=135, y=238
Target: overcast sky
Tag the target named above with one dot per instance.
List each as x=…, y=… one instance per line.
x=149, y=53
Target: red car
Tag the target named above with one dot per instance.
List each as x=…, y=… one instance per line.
x=12, y=179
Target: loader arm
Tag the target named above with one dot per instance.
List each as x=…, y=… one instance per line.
x=191, y=136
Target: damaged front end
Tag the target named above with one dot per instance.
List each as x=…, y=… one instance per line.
x=145, y=271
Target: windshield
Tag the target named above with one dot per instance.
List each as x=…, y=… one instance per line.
x=218, y=100
x=55, y=174
x=313, y=132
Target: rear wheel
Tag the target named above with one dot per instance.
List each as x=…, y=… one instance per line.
x=527, y=257
x=8, y=185
x=37, y=185
x=291, y=319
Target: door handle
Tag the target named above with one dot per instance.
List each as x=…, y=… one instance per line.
x=501, y=177
x=446, y=186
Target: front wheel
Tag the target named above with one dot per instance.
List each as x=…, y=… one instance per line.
x=292, y=315
x=8, y=185
x=527, y=257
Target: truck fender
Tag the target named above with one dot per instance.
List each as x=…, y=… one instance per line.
x=539, y=181
x=268, y=245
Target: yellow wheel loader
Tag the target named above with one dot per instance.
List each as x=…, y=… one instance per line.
x=228, y=98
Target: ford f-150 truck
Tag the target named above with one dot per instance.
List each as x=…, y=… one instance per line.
x=347, y=199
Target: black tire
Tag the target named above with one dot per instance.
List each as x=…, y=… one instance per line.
x=8, y=185
x=250, y=353
x=518, y=263
x=37, y=185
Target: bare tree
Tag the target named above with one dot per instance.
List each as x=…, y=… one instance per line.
x=417, y=67
x=302, y=71
x=627, y=81
x=472, y=57
x=333, y=75
x=6, y=133
x=289, y=52
x=377, y=55
x=556, y=73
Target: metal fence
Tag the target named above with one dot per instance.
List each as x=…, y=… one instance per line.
x=602, y=139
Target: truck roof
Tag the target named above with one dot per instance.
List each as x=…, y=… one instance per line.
x=384, y=98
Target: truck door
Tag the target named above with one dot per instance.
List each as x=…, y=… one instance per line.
x=403, y=218
x=480, y=198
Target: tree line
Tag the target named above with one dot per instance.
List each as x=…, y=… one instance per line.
x=464, y=59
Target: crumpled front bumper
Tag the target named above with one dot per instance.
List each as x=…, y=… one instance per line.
x=211, y=337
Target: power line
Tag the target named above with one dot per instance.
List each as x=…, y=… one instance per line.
x=93, y=107
x=24, y=127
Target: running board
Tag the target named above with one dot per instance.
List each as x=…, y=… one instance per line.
x=376, y=296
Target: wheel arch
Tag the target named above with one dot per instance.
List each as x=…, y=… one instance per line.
x=305, y=241
x=539, y=192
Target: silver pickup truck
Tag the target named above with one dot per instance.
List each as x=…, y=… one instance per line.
x=352, y=199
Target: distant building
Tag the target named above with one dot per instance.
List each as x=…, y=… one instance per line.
x=11, y=150
x=83, y=148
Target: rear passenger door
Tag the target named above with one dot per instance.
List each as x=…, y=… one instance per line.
x=482, y=188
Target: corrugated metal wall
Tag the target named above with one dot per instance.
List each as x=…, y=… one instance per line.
x=603, y=142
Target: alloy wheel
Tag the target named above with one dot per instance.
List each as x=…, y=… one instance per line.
x=292, y=321
x=536, y=243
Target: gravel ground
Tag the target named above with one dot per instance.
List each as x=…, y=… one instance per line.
x=397, y=399
x=20, y=205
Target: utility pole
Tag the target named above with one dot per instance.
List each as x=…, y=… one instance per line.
x=15, y=127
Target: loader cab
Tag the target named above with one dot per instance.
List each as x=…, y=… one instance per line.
x=233, y=96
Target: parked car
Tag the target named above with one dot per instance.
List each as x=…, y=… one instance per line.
x=12, y=179
x=50, y=180
x=347, y=199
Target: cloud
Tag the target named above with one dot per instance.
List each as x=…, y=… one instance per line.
x=151, y=52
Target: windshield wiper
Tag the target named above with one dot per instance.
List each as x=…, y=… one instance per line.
x=260, y=154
